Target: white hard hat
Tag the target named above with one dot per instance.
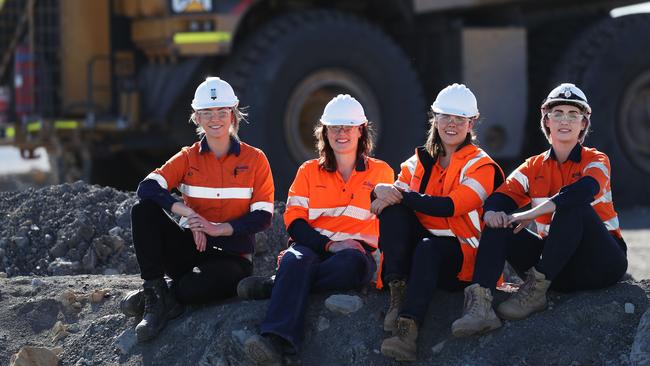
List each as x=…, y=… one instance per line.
x=457, y=100
x=214, y=92
x=567, y=92
x=343, y=110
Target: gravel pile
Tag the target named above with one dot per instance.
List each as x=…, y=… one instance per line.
x=79, y=228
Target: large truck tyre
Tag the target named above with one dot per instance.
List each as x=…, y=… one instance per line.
x=289, y=69
x=611, y=64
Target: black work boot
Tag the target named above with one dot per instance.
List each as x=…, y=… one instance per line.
x=264, y=349
x=132, y=304
x=255, y=287
x=159, y=306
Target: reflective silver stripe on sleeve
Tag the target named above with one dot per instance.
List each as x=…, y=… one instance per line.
x=216, y=193
x=542, y=229
x=605, y=198
x=411, y=163
x=598, y=165
x=476, y=187
x=264, y=206
x=521, y=178
x=473, y=242
x=298, y=201
x=402, y=185
x=612, y=224
x=158, y=178
x=473, y=215
x=536, y=201
x=349, y=211
x=471, y=162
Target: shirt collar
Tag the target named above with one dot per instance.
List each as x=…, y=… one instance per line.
x=235, y=146
x=574, y=155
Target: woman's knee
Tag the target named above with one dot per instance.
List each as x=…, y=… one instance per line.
x=298, y=256
x=395, y=213
x=144, y=208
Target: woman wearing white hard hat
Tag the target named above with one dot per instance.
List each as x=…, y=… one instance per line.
x=227, y=191
x=430, y=217
x=578, y=243
x=332, y=231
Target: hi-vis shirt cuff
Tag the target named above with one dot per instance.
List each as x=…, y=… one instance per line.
x=298, y=201
x=158, y=178
x=264, y=206
x=338, y=236
x=521, y=178
x=216, y=193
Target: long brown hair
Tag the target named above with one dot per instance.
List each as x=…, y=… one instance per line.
x=326, y=158
x=434, y=143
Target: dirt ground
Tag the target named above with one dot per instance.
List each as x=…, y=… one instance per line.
x=635, y=223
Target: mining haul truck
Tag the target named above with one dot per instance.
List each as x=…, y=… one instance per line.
x=105, y=85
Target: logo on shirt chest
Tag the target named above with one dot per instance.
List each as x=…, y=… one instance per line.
x=368, y=185
x=240, y=169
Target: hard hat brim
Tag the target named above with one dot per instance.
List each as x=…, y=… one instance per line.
x=342, y=122
x=222, y=104
x=452, y=112
x=557, y=101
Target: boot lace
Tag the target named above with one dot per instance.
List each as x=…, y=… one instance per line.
x=150, y=300
x=527, y=290
x=397, y=293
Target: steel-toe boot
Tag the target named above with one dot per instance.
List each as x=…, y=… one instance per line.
x=402, y=345
x=478, y=315
x=397, y=289
x=159, y=307
x=530, y=298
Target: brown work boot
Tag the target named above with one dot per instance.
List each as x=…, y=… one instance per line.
x=397, y=290
x=478, y=315
x=530, y=298
x=402, y=345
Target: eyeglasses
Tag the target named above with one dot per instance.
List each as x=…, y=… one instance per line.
x=337, y=129
x=445, y=119
x=571, y=117
x=209, y=114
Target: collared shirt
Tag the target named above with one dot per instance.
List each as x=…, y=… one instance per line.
x=543, y=177
x=234, y=188
x=336, y=209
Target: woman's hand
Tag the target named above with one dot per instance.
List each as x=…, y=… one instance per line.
x=496, y=220
x=197, y=222
x=181, y=209
x=522, y=219
x=337, y=246
x=200, y=240
x=378, y=205
x=388, y=193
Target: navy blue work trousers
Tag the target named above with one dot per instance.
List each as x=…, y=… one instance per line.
x=425, y=261
x=578, y=253
x=164, y=248
x=303, y=271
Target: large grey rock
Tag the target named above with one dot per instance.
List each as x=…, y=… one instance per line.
x=640, y=353
x=126, y=340
x=344, y=304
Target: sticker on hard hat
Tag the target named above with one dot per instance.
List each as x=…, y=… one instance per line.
x=567, y=93
x=213, y=93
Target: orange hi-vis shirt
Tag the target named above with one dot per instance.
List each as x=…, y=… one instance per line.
x=468, y=181
x=219, y=189
x=337, y=209
x=541, y=176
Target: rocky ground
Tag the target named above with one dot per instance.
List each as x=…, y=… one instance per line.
x=67, y=257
